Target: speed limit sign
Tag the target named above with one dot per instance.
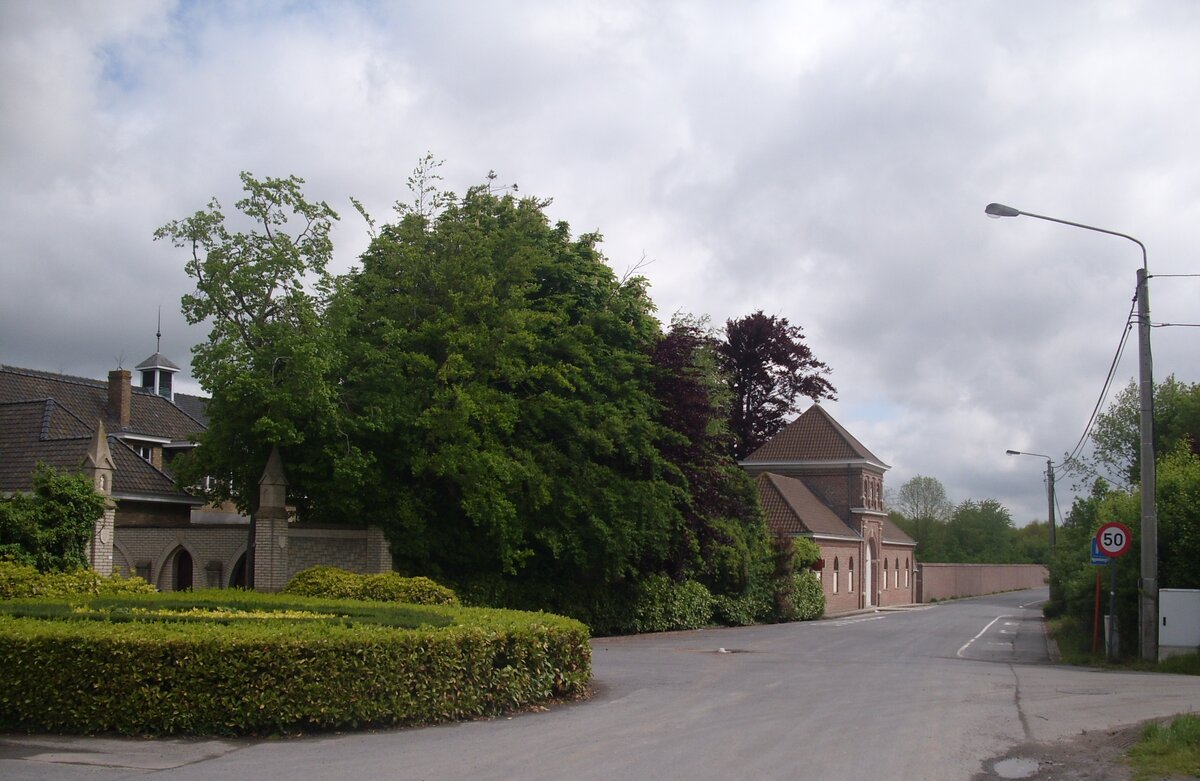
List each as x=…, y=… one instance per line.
x=1114, y=539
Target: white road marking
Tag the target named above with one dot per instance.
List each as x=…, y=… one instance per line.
x=967, y=644
x=848, y=621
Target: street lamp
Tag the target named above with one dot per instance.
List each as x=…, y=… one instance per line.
x=1049, y=488
x=1149, y=582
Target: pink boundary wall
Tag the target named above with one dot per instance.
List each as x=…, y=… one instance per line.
x=945, y=581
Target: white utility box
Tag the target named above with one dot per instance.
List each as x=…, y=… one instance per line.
x=1178, y=621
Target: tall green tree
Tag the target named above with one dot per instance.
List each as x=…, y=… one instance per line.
x=724, y=532
x=496, y=384
x=770, y=367
x=266, y=363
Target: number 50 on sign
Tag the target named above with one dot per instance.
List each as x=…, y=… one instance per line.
x=1114, y=539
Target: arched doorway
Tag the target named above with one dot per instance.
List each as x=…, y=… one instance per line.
x=237, y=578
x=183, y=570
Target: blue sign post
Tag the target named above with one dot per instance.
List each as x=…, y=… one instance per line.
x=1099, y=557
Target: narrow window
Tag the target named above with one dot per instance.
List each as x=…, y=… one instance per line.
x=850, y=576
x=896, y=572
x=835, y=574
x=885, y=574
x=907, y=570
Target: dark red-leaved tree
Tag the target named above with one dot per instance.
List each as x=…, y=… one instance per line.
x=769, y=368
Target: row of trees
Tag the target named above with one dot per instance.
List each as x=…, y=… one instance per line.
x=484, y=388
x=977, y=532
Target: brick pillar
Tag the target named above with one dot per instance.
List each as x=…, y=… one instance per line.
x=379, y=553
x=271, y=528
x=98, y=466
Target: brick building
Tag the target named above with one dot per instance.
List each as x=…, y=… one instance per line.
x=816, y=480
x=125, y=436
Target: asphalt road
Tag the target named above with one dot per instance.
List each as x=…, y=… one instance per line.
x=925, y=693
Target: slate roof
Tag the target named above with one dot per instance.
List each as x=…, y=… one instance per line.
x=156, y=361
x=150, y=414
x=52, y=418
x=813, y=437
x=793, y=509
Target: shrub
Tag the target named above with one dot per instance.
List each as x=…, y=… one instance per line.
x=242, y=663
x=323, y=581
x=20, y=580
x=49, y=528
x=749, y=607
x=663, y=605
x=807, y=596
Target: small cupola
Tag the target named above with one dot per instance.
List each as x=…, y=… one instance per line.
x=157, y=372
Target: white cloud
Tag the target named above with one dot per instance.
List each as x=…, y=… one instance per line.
x=825, y=161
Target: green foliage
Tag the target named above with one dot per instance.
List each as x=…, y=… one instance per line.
x=323, y=581
x=217, y=675
x=974, y=532
x=486, y=390
x=663, y=605
x=1117, y=433
x=769, y=367
x=496, y=387
x=1169, y=750
x=793, y=591
x=50, y=528
x=808, y=596
x=21, y=580
x=723, y=532
x=267, y=362
x=1072, y=577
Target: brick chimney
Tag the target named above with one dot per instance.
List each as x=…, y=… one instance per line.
x=120, y=396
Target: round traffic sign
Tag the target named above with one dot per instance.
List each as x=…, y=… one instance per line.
x=1114, y=539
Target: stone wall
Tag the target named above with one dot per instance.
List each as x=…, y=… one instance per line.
x=151, y=552
x=358, y=550
x=946, y=581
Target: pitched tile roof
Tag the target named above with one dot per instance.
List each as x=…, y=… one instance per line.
x=813, y=437
x=52, y=418
x=150, y=414
x=793, y=509
x=894, y=534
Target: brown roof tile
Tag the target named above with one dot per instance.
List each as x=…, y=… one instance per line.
x=791, y=508
x=150, y=414
x=51, y=418
x=814, y=436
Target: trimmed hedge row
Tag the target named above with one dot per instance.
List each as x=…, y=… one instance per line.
x=250, y=675
x=20, y=580
x=324, y=581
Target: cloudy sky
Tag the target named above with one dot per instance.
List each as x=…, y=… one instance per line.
x=824, y=161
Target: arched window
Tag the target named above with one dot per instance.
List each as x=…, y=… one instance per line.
x=850, y=576
x=835, y=574
x=885, y=574
x=896, y=572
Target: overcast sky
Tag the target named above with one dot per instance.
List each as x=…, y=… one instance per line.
x=828, y=162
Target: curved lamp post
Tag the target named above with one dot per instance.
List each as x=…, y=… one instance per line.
x=1049, y=488
x=1149, y=580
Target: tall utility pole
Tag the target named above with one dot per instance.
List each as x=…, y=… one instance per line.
x=1148, y=592
x=1049, y=489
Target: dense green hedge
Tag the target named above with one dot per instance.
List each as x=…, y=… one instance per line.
x=663, y=605
x=323, y=581
x=19, y=580
x=806, y=598
x=207, y=663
